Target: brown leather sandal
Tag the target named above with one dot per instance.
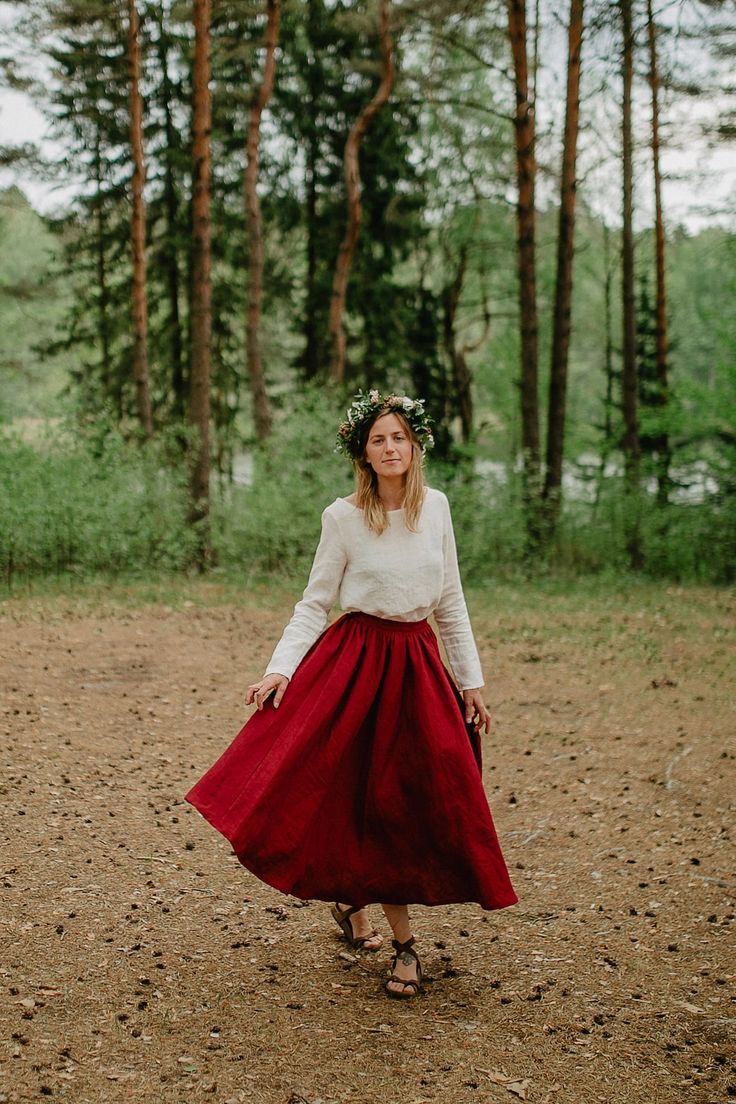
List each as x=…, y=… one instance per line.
x=407, y=955
x=342, y=919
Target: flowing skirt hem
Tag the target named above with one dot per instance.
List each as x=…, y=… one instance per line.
x=346, y=893
x=365, y=785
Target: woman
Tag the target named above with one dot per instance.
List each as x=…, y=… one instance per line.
x=358, y=779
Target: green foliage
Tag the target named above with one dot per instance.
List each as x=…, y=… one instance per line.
x=328, y=71
x=433, y=289
x=683, y=542
x=31, y=306
x=96, y=503
x=273, y=525
x=90, y=503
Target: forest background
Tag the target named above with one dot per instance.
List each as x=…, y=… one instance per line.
x=267, y=206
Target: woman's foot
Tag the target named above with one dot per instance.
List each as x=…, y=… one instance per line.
x=406, y=971
x=357, y=928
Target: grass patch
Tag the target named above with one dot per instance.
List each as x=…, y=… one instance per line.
x=600, y=609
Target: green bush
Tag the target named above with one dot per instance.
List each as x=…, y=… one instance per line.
x=273, y=525
x=92, y=502
x=84, y=506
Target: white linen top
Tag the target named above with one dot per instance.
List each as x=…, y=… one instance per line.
x=399, y=575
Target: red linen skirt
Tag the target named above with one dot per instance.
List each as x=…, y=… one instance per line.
x=365, y=784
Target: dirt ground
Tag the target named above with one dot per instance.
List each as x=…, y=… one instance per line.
x=140, y=962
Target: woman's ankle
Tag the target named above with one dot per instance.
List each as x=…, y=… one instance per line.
x=399, y=921
x=402, y=935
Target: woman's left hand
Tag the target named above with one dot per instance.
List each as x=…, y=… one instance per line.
x=475, y=711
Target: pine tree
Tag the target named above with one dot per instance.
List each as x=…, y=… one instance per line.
x=353, y=143
x=168, y=137
x=631, y=444
x=326, y=75
x=138, y=228
x=524, y=133
x=255, y=238
x=662, y=368
x=201, y=316
x=556, y=408
x=87, y=97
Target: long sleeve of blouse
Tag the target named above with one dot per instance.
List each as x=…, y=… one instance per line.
x=399, y=575
x=310, y=614
x=453, y=620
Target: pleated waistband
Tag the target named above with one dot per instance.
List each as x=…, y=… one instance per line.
x=385, y=624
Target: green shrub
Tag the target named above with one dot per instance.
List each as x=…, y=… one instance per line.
x=72, y=505
x=273, y=525
x=92, y=502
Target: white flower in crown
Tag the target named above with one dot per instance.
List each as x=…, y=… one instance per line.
x=366, y=406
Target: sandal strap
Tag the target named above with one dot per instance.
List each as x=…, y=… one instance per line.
x=359, y=940
x=345, y=914
x=408, y=950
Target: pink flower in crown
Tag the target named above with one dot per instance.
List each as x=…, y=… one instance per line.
x=364, y=407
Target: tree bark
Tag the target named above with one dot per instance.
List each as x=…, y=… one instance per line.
x=462, y=396
x=352, y=183
x=526, y=260
x=608, y=444
x=535, y=53
x=138, y=229
x=201, y=305
x=311, y=335
x=103, y=291
x=563, y=286
x=261, y=408
x=664, y=455
x=629, y=381
x=169, y=252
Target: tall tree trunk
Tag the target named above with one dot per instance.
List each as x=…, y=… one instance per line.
x=138, y=228
x=664, y=454
x=201, y=308
x=103, y=291
x=261, y=408
x=352, y=183
x=563, y=287
x=461, y=379
x=311, y=334
x=629, y=381
x=525, y=234
x=608, y=443
x=169, y=251
x=535, y=53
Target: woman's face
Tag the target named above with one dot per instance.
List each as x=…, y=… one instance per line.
x=388, y=449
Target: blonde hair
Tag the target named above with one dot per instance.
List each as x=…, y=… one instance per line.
x=375, y=514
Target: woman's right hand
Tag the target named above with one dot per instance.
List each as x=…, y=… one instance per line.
x=261, y=691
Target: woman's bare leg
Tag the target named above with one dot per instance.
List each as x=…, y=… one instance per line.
x=398, y=918
x=362, y=927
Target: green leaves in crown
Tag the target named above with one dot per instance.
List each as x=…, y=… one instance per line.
x=366, y=406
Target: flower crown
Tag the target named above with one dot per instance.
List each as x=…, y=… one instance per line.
x=365, y=407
